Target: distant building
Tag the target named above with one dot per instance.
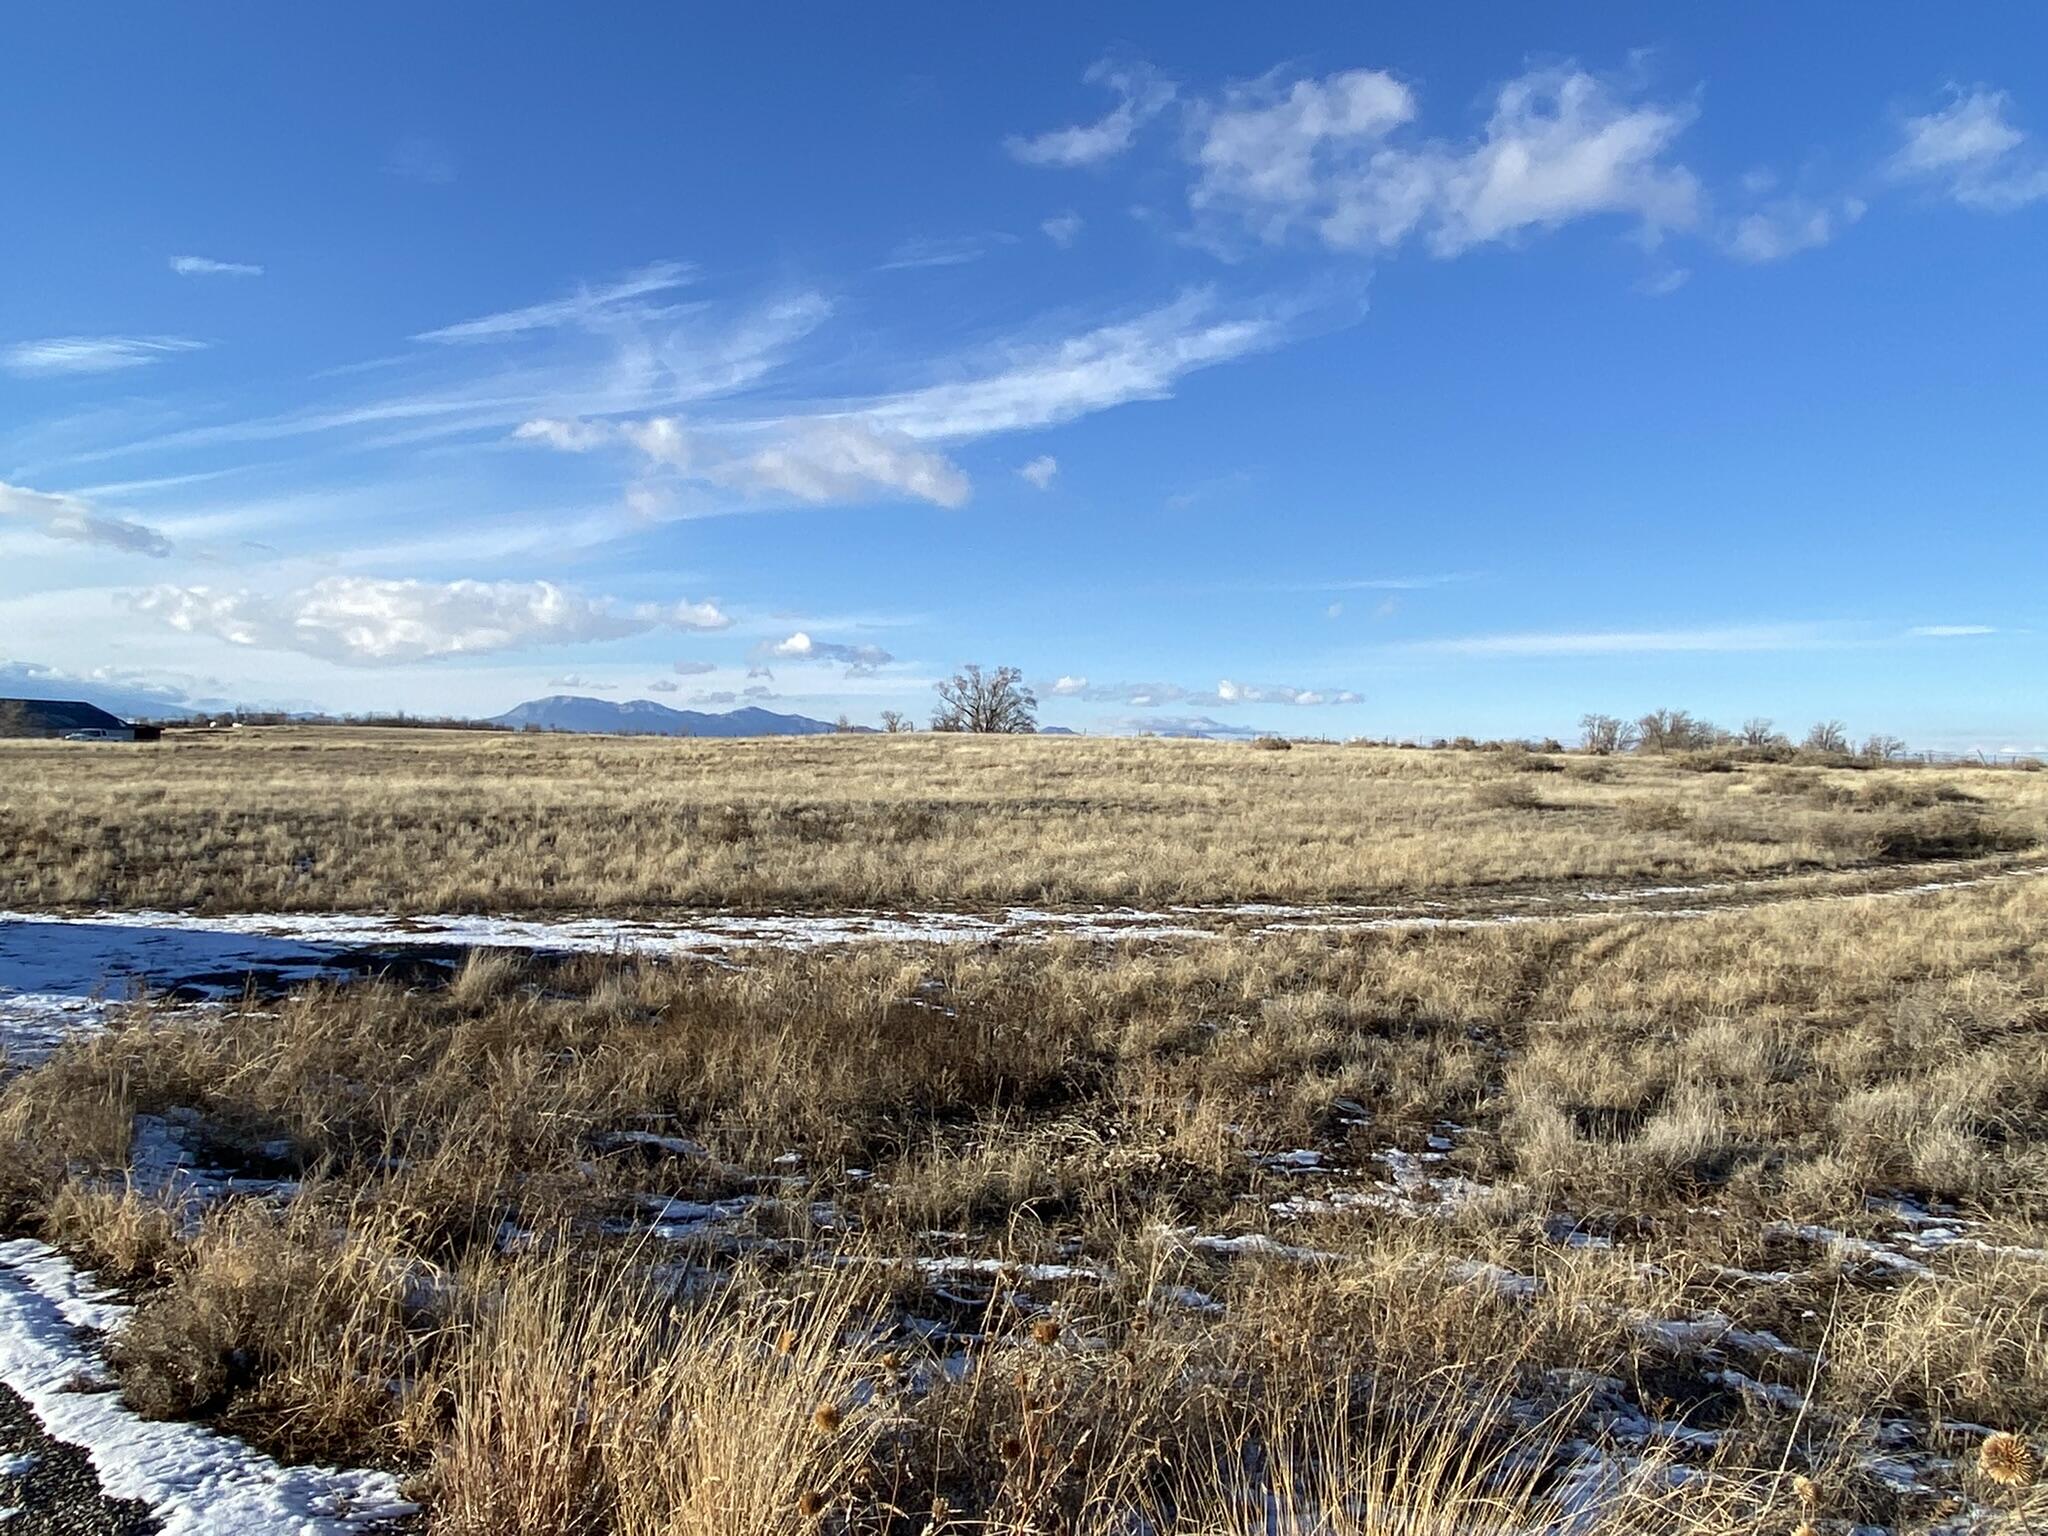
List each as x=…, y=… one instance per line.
x=66, y=717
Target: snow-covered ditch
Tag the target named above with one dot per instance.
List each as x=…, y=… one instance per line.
x=199, y=1483
x=62, y=974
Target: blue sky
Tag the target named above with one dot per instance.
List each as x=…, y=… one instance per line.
x=1350, y=372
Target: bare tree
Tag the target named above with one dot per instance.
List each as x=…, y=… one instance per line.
x=990, y=703
x=843, y=725
x=1674, y=730
x=895, y=722
x=1827, y=736
x=1883, y=749
x=1604, y=735
x=1759, y=732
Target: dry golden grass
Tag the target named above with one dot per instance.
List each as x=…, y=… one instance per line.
x=346, y=819
x=470, y=1283
x=1019, y=1237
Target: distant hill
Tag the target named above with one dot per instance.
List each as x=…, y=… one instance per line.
x=644, y=717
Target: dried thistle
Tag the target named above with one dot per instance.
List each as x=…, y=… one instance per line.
x=810, y=1504
x=1045, y=1331
x=1808, y=1491
x=1011, y=1449
x=2007, y=1459
x=828, y=1418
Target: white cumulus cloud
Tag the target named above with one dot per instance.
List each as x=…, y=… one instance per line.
x=1786, y=226
x=1063, y=229
x=1226, y=692
x=857, y=659
x=1329, y=157
x=1142, y=95
x=1040, y=471
x=1973, y=150
x=365, y=621
x=825, y=459
x=848, y=460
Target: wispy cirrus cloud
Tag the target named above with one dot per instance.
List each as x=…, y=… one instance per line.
x=206, y=266
x=1951, y=631
x=91, y=354
x=863, y=449
x=1042, y=383
x=78, y=521
x=584, y=306
x=1734, y=637
x=949, y=251
x=1142, y=94
x=361, y=621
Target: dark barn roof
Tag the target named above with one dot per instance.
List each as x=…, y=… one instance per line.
x=53, y=717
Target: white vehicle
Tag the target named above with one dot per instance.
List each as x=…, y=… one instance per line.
x=98, y=733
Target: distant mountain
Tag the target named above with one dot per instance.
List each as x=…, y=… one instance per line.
x=644, y=717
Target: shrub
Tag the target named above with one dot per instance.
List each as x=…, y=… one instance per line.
x=1654, y=816
x=1272, y=744
x=1505, y=795
x=1949, y=833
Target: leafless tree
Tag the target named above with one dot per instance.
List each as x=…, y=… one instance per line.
x=1827, y=736
x=1760, y=732
x=843, y=725
x=1883, y=749
x=990, y=703
x=1604, y=735
x=895, y=722
x=1674, y=730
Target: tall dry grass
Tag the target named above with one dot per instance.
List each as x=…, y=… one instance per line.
x=345, y=819
x=468, y=1284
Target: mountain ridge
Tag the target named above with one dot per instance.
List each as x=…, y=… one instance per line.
x=582, y=715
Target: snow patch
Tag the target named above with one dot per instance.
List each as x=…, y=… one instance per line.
x=198, y=1482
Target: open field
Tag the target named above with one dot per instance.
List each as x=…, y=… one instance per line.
x=1619, y=1209
x=421, y=821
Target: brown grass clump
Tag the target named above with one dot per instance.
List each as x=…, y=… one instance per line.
x=2008, y=1460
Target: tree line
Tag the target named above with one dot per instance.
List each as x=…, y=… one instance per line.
x=1677, y=730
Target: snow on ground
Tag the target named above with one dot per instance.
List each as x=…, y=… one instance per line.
x=57, y=975
x=62, y=976
x=198, y=1482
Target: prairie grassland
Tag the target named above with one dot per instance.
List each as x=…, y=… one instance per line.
x=417, y=821
x=1730, y=1224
